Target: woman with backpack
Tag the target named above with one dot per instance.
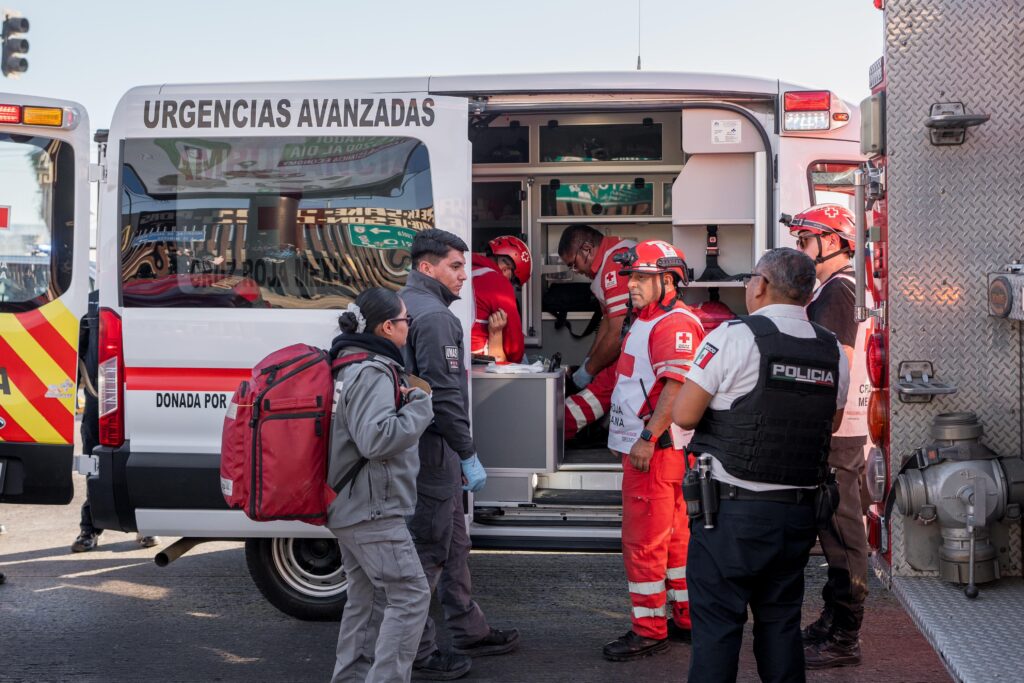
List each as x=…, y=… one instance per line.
x=377, y=420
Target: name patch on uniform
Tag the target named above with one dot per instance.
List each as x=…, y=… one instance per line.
x=610, y=279
x=707, y=352
x=684, y=342
x=802, y=374
x=451, y=354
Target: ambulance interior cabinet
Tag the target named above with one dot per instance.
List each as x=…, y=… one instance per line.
x=518, y=427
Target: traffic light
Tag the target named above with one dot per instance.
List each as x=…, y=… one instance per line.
x=15, y=46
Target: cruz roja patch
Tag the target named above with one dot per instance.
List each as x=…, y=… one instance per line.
x=451, y=354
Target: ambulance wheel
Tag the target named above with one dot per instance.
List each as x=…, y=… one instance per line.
x=302, y=577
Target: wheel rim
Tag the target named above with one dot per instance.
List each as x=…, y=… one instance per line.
x=310, y=566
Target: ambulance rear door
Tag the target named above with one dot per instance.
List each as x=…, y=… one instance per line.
x=243, y=219
x=44, y=282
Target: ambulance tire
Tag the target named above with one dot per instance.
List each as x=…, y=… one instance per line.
x=302, y=577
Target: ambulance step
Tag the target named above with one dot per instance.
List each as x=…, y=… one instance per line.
x=549, y=515
x=585, y=457
x=577, y=497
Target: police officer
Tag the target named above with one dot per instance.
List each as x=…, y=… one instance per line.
x=434, y=351
x=826, y=233
x=764, y=394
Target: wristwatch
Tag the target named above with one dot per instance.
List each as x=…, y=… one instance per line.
x=646, y=435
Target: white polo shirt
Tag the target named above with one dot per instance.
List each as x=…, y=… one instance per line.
x=727, y=366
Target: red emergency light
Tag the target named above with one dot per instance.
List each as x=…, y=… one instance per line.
x=877, y=361
x=10, y=113
x=814, y=100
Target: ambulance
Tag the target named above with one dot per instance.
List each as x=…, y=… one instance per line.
x=236, y=219
x=44, y=268
x=938, y=202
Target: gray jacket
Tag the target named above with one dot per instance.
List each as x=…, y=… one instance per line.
x=365, y=424
x=434, y=352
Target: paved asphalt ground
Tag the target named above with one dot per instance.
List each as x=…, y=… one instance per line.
x=112, y=615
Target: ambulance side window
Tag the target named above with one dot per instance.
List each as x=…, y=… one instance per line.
x=37, y=197
x=831, y=182
x=269, y=222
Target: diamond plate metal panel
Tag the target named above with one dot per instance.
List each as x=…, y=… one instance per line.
x=954, y=212
x=979, y=639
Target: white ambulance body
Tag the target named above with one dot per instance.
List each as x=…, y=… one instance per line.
x=236, y=219
x=44, y=269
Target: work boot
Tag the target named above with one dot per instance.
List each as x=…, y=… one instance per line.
x=631, y=646
x=494, y=643
x=146, y=541
x=819, y=630
x=677, y=633
x=85, y=541
x=441, y=666
x=842, y=648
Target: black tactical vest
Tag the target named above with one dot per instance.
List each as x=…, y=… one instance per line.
x=780, y=432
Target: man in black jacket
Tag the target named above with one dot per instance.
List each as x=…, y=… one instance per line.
x=448, y=461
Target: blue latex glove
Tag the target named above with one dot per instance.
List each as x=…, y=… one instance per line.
x=581, y=377
x=475, y=474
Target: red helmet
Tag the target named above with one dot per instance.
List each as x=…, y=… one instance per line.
x=824, y=219
x=515, y=249
x=655, y=256
x=713, y=313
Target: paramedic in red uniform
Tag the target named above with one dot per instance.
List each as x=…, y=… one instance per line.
x=656, y=356
x=587, y=251
x=826, y=233
x=498, y=328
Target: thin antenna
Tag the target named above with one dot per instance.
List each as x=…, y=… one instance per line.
x=638, y=2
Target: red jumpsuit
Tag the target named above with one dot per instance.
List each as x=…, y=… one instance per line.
x=612, y=290
x=491, y=291
x=660, y=345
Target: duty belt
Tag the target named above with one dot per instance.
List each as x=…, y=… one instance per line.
x=797, y=496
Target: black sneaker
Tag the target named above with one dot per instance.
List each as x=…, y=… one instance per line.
x=85, y=542
x=819, y=630
x=494, y=643
x=441, y=666
x=841, y=649
x=677, y=633
x=631, y=646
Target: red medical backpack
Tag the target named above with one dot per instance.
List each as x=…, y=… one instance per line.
x=274, y=447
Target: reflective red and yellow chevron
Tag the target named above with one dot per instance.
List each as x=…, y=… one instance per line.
x=38, y=369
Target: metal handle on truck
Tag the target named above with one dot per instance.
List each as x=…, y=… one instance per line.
x=860, y=311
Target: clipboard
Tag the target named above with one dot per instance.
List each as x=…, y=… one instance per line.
x=418, y=383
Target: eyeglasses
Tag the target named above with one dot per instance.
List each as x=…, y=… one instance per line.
x=750, y=276
x=583, y=250
x=407, y=320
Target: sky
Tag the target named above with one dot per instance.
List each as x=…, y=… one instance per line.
x=92, y=51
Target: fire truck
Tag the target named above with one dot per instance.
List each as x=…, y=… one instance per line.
x=236, y=219
x=938, y=201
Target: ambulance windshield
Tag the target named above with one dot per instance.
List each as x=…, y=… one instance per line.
x=37, y=196
x=280, y=222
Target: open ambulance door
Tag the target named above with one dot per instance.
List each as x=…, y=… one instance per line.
x=44, y=281
x=722, y=199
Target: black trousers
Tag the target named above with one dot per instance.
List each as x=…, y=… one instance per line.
x=755, y=556
x=90, y=440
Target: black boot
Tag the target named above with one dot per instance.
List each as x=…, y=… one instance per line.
x=496, y=642
x=819, y=630
x=631, y=646
x=842, y=648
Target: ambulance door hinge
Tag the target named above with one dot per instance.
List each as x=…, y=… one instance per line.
x=97, y=173
x=87, y=464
